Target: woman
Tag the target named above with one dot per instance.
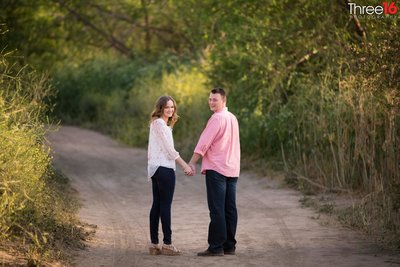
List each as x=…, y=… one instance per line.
x=161, y=171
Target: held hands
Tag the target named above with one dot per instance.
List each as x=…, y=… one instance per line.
x=186, y=167
x=188, y=170
x=193, y=168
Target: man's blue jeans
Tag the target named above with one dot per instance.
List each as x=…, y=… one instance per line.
x=163, y=182
x=221, y=198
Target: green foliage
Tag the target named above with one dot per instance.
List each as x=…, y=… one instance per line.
x=308, y=88
x=117, y=97
x=34, y=210
x=34, y=29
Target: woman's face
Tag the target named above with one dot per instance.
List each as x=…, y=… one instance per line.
x=169, y=109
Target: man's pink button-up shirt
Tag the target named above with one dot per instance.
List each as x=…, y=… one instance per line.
x=219, y=144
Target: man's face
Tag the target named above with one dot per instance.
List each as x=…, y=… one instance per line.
x=216, y=102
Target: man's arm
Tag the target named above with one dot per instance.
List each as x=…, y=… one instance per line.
x=193, y=160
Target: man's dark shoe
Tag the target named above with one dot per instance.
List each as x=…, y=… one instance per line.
x=210, y=253
x=229, y=251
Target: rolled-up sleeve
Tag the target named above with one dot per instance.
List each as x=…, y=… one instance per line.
x=161, y=131
x=207, y=136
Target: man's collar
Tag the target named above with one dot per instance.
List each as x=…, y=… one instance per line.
x=221, y=110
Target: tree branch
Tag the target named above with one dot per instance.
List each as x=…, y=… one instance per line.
x=116, y=44
x=147, y=38
x=149, y=28
x=303, y=59
x=334, y=189
x=359, y=28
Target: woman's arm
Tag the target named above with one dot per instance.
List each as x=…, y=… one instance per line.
x=185, y=167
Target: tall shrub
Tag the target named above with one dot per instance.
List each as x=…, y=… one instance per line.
x=34, y=213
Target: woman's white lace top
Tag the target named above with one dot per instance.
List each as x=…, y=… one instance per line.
x=161, y=151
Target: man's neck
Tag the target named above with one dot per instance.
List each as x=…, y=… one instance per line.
x=221, y=109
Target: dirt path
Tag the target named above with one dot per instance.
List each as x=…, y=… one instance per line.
x=273, y=229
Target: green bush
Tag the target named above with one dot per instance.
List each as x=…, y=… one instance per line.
x=36, y=212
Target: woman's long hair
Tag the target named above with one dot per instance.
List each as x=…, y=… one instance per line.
x=159, y=108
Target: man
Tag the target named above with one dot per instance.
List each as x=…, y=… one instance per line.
x=219, y=147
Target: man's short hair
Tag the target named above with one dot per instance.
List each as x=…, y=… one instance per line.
x=218, y=90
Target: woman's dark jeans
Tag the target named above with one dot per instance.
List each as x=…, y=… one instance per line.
x=221, y=198
x=163, y=182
